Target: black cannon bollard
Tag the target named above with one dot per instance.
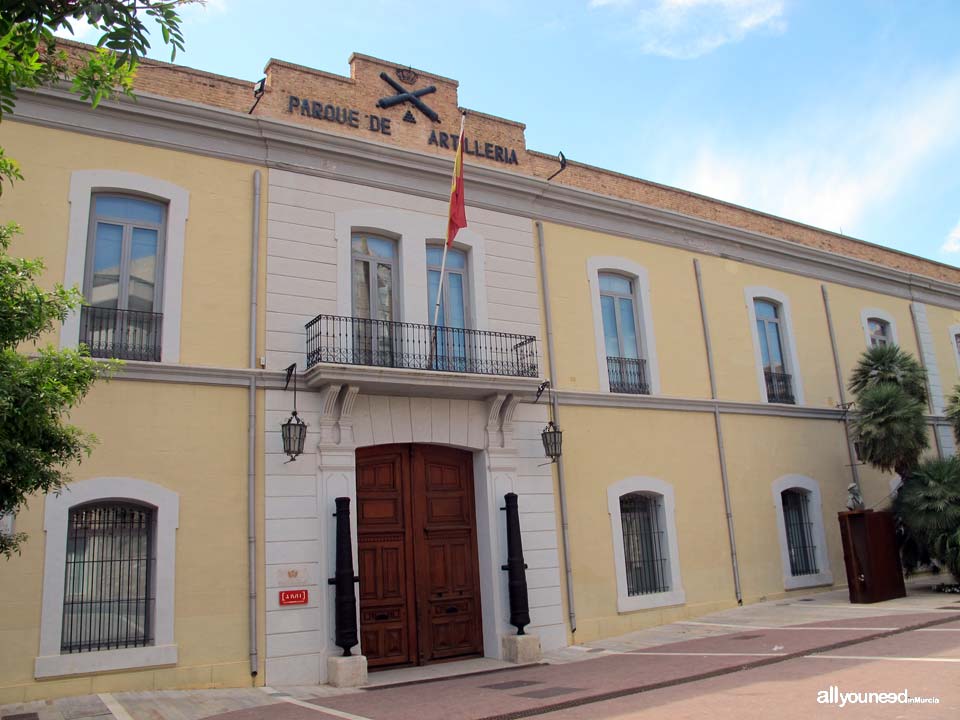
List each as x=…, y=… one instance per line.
x=516, y=568
x=345, y=603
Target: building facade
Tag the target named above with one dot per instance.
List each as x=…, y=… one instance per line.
x=224, y=232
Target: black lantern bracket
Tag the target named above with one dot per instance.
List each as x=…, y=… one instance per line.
x=294, y=430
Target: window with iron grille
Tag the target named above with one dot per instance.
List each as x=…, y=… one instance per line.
x=626, y=368
x=108, y=594
x=644, y=544
x=771, y=338
x=799, y=529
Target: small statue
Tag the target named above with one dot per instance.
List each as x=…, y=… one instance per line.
x=854, y=498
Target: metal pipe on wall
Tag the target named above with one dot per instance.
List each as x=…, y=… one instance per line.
x=851, y=451
x=561, y=484
x=252, y=431
x=718, y=426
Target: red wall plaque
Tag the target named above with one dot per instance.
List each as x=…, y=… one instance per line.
x=293, y=597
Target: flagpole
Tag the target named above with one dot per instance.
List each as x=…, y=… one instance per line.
x=446, y=246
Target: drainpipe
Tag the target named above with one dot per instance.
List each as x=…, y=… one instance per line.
x=851, y=452
x=561, y=484
x=923, y=364
x=252, y=431
x=721, y=449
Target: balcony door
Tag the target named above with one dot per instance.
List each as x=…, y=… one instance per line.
x=417, y=555
x=451, y=345
x=122, y=284
x=374, y=279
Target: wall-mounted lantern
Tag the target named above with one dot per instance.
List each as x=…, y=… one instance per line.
x=552, y=440
x=294, y=430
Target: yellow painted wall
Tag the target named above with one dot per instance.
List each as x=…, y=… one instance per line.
x=216, y=287
x=603, y=446
x=940, y=319
x=190, y=439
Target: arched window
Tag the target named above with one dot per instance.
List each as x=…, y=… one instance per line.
x=623, y=326
x=879, y=327
x=879, y=331
x=803, y=542
x=646, y=560
x=645, y=551
x=775, y=351
x=108, y=590
x=375, y=282
x=453, y=351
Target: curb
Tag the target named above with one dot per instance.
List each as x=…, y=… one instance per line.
x=637, y=689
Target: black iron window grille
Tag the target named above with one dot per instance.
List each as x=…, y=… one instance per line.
x=628, y=375
x=644, y=544
x=382, y=343
x=779, y=387
x=799, y=527
x=122, y=334
x=107, y=597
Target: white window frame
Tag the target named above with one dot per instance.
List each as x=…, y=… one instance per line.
x=789, y=349
x=467, y=282
x=649, y=486
x=84, y=184
x=868, y=314
x=166, y=503
x=954, y=330
x=815, y=508
x=637, y=274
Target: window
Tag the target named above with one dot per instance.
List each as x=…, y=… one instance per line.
x=645, y=551
x=114, y=215
x=879, y=331
x=107, y=595
x=800, y=530
x=796, y=519
x=625, y=368
x=775, y=353
x=879, y=327
x=108, y=577
x=623, y=326
x=374, y=274
x=122, y=281
x=644, y=544
x=452, y=340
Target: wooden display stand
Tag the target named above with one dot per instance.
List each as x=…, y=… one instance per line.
x=871, y=556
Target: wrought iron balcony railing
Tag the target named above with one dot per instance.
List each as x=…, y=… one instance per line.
x=779, y=387
x=380, y=343
x=628, y=375
x=122, y=334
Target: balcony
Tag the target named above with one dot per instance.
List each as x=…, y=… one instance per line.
x=422, y=350
x=779, y=387
x=121, y=334
x=628, y=375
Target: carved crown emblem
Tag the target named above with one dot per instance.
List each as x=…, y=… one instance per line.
x=292, y=573
x=407, y=75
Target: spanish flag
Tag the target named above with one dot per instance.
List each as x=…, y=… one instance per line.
x=458, y=210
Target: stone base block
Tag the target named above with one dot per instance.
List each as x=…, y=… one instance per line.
x=347, y=671
x=522, y=649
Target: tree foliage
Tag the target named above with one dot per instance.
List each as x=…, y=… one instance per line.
x=891, y=428
x=928, y=508
x=37, y=444
x=889, y=364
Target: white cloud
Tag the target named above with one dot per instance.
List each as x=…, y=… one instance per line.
x=82, y=32
x=686, y=29
x=831, y=165
x=952, y=243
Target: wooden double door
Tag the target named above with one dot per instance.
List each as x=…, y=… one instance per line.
x=417, y=555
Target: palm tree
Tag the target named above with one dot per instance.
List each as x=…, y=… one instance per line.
x=890, y=427
x=889, y=364
x=928, y=507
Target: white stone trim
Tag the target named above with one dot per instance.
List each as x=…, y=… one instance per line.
x=825, y=576
x=50, y=663
x=676, y=595
x=758, y=292
x=879, y=314
x=648, y=344
x=954, y=330
x=83, y=183
x=412, y=231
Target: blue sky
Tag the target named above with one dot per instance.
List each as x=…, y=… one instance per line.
x=842, y=114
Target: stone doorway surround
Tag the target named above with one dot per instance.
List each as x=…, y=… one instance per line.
x=503, y=436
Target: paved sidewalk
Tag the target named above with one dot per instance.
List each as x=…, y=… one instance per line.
x=764, y=635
